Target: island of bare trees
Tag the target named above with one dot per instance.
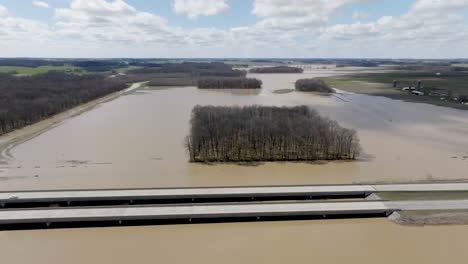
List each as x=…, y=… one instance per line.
x=229, y=83
x=26, y=100
x=313, y=85
x=277, y=69
x=262, y=133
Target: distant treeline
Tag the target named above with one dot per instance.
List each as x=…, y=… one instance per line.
x=26, y=100
x=88, y=65
x=229, y=83
x=460, y=68
x=33, y=63
x=99, y=65
x=195, y=69
x=277, y=69
x=262, y=133
x=182, y=74
x=358, y=64
x=313, y=85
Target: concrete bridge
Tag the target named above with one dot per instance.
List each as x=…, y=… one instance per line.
x=32, y=209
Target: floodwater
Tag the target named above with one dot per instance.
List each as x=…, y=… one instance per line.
x=137, y=141
x=331, y=241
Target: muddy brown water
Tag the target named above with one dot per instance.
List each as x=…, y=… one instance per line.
x=331, y=241
x=137, y=141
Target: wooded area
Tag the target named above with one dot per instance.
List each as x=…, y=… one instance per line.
x=313, y=85
x=229, y=83
x=26, y=100
x=263, y=133
x=86, y=65
x=277, y=69
x=181, y=74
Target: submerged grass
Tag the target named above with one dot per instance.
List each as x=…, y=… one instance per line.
x=283, y=91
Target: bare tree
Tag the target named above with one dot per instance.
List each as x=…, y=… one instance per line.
x=313, y=85
x=262, y=133
x=229, y=83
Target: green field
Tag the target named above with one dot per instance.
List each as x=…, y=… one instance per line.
x=454, y=81
x=41, y=69
x=445, y=89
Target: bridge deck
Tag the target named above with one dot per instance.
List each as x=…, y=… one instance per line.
x=184, y=192
x=126, y=213
x=217, y=192
x=114, y=216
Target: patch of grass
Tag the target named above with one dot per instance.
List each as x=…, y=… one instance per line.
x=454, y=81
x=415, y=196
x=283, y=91
x=339, y=81
x=41, y=69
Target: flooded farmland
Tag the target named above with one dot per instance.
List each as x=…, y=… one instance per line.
x=137, y=140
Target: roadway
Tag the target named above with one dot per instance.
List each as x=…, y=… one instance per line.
x=218, y=193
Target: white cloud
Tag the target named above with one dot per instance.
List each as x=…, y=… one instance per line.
x=101, y=21
x=102, y=6
x=17, y=30
x=284, y=28
x=440, y=5
x=40, y=4
x=360, y=15
x=197, y=8
x=429, y=26
x=3, y=11
x=293, y=15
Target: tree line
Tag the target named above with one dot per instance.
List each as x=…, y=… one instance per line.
x=88, y=65
x=313, y=85
x=26, y=100
x=277, y=69
x=33, y=63
x=229, y=83
x=182, y=74
x=264, y=133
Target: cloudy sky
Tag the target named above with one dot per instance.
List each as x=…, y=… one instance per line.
x=234, y=28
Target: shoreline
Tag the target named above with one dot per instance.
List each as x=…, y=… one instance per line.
x=430, y=218
x=12, y=139
x=378, y=89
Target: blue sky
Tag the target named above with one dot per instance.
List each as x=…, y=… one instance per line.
x=234, y=28
x=239, y=13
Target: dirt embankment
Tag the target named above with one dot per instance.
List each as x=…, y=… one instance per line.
x=438, y=217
